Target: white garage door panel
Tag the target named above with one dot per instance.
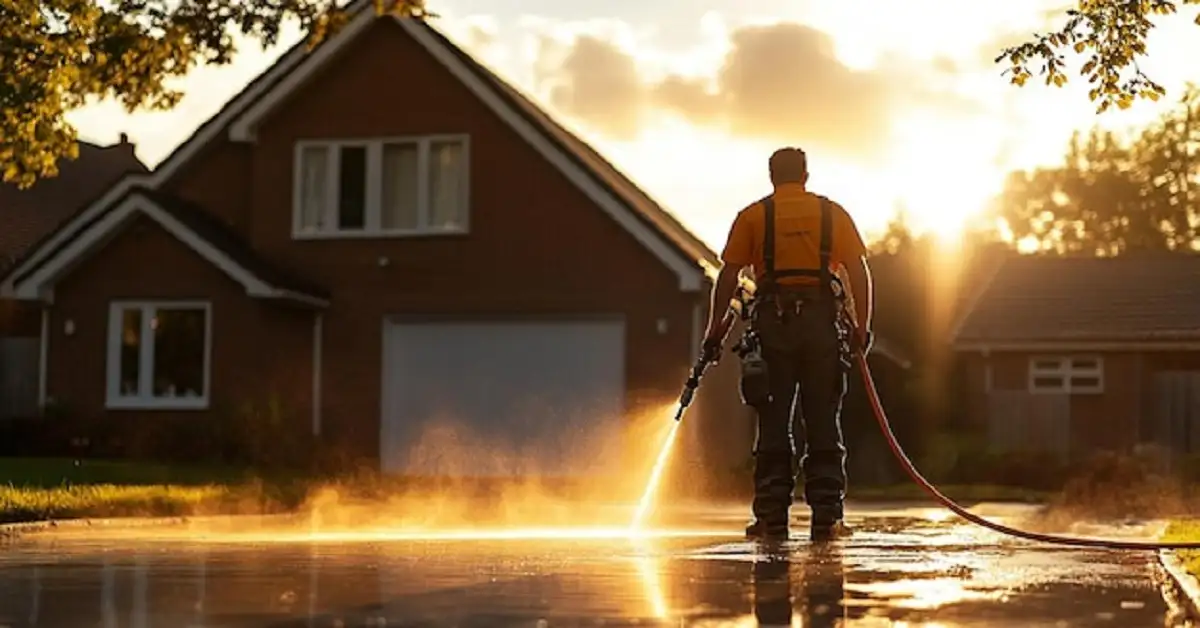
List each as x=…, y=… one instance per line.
x=501, y=398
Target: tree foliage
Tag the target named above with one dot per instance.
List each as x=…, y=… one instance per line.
x=898, y=237
x=58, y=55
x=1113, y=33
x=1114, y=194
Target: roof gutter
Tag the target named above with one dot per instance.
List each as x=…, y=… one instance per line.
x=1187, y=344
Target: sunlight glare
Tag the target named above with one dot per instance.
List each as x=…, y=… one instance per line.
x=648, y=571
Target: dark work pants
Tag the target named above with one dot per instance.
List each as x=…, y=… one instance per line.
x=807, y=363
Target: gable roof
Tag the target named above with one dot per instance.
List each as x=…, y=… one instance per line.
x=612, y=191
x=27, y=216
x=192, y=226
x=1033, y=301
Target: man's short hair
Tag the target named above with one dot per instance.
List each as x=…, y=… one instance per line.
x=788, y=164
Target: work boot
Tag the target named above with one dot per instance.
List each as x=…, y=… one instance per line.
x=827, y=526
x=768, y=531
x=773, y=486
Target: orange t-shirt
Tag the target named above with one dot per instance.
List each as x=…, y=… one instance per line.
x=797, y=235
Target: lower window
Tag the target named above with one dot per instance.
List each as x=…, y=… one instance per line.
x=158, y=354
x=1071, y=375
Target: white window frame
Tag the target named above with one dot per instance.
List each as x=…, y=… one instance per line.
x=374, y=190
x=146, y=401
x=1065, y=369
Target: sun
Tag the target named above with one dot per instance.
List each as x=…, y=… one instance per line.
x=942, y=170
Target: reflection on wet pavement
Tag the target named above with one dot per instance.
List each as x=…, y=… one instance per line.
x=899, y=569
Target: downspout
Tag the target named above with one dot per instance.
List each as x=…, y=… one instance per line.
x=318, y=342
x=43, y=356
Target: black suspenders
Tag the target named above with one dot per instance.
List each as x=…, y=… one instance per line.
x=822, y=274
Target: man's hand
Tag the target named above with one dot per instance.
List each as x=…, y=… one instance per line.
x=864, y=340
x=714, y=341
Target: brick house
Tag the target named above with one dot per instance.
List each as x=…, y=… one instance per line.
x=365, y=264
x=375, y=267
x=1076, y=355
x=27, y=216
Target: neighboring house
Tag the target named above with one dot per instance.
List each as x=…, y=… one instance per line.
x=1076, y=355
x=402, y=251
x=27, y=216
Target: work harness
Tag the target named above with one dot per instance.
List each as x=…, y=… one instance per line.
x=828, y=284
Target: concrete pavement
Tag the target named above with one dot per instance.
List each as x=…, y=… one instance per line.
x=902, y=567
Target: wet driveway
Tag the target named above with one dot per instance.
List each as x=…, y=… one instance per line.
x=902, y=567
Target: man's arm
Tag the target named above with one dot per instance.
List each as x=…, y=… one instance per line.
x=738, y=253
x=863, y=288
x=853, y=253
x=722, y=293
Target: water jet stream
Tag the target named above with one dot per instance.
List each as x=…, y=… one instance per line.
x=664, y=454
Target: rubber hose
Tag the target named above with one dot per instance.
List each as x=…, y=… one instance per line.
x=882, y=418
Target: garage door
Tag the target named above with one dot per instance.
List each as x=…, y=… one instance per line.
x=501, y=399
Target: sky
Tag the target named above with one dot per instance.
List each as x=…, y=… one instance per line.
x=899, y=104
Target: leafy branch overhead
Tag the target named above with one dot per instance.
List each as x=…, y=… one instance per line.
x=1114, y=32
x=59, y=55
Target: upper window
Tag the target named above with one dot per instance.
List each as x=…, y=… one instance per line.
x=159, y=355
x=386, y=187
x=1078, y=375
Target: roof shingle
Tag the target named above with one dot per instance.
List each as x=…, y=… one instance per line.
x=1140, y=297
x=26, y=216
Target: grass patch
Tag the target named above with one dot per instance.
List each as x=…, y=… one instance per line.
x=1185, y=531
x=44, y=489
x=58, y=472
x=107, y=500
x=966, y=492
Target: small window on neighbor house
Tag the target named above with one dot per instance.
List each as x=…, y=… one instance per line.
x=158, y=355
x=1045, y=382
x=1066, y=375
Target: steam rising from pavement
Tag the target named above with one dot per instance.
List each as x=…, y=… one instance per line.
x=462, y=506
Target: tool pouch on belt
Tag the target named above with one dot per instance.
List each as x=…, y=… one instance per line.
x=756, y=382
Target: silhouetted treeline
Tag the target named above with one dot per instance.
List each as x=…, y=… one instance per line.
x=1115, y=193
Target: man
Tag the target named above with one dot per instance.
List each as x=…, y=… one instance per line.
x=796, y=241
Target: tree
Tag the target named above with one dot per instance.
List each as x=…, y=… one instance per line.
x=1113, y=195
x=1115, y=32
x=897, y=238
x=58, y=55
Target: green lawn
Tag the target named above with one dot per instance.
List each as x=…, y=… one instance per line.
x=41, y=489
x=1185, y=531
x=59, y=472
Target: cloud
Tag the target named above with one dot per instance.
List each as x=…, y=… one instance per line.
x=779, y=82
x=600, y=83
x=785, y=81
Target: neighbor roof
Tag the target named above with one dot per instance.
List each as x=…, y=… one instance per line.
x=1144, y=298
x=191, y=225
x=26, y=216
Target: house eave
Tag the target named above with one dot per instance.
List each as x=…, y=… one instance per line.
x=37, y=283
x=1110, y=345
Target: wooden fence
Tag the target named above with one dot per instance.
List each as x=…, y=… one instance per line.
x=1027, y=422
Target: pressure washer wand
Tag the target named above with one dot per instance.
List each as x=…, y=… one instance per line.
x=707, y=358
